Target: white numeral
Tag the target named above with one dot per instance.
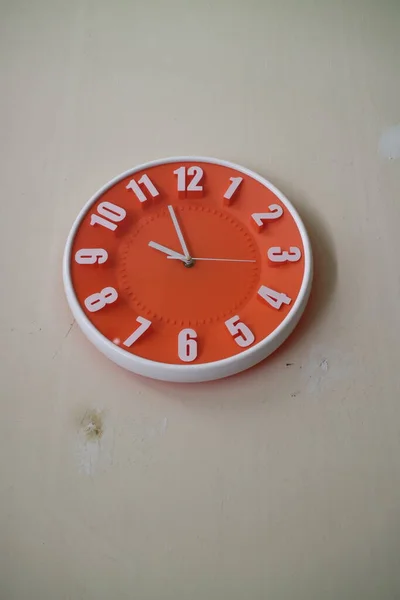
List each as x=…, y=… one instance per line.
x=187, y=345
x=193, y=185
x=276, y=254
x=97, y=301
x=90, y=256
x=144, y=325
x=259, y=218
x=137, y=190
x=275, y=299
x=112, y=213
x=242, y=335
x=236, y=181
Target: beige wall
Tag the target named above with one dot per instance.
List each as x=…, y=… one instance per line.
x=280, y=483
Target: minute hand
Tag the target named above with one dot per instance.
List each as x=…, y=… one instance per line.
x=178, y=231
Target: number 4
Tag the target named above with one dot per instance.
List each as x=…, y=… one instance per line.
x=274, y=299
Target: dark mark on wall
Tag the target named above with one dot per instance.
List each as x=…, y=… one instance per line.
x=92, y=425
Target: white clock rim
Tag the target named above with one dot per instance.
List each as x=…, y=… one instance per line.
x=194, y=372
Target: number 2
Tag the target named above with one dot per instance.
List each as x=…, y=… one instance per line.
x=259, y=218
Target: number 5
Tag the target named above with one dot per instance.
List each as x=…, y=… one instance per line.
x=242, y=335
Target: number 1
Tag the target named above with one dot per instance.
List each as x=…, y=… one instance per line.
x=236, y=181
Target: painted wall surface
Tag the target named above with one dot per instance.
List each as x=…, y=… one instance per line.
x=280, y=483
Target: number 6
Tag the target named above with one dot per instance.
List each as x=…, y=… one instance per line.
x=187, y=345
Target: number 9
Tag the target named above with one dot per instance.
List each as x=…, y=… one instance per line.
x=90, y=256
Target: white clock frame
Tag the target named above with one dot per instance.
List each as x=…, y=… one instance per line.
x=191, y=372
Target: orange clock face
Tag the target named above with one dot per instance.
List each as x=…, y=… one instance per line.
x=187, y=262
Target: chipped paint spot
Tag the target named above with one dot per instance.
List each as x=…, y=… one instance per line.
x=92, y=424
x=324, y=365
x=164, y=425
x=389, y=143
x=95, y=443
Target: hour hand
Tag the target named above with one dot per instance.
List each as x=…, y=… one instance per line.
x=167, y=251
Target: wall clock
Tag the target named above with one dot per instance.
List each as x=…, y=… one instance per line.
x=187, y=269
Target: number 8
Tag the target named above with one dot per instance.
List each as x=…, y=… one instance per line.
x=276, y=254
x=97, y=301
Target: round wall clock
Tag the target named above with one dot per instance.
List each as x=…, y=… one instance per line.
x=187, y=269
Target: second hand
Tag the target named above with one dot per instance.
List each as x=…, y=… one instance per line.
x=218, y=259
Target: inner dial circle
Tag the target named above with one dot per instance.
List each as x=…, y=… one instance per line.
x=163, y=289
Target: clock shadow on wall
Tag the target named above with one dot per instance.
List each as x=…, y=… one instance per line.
x=324, y=279
x=321, y=296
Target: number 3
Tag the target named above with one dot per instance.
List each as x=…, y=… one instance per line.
x=276, y=254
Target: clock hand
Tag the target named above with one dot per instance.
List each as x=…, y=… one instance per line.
x=170, y=253
x=179, y=232
x=221, y=259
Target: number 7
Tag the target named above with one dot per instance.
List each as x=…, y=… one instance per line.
x=144, y=325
